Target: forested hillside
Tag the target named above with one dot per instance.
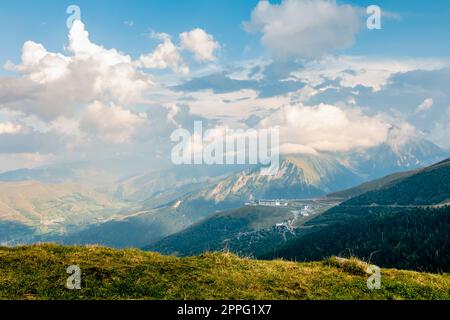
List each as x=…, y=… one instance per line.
x=403, y=223
x=417, y=239
x=428, y=186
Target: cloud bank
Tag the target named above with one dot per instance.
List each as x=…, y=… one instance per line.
x=304, y=28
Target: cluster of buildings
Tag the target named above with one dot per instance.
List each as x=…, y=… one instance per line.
x=268, y=203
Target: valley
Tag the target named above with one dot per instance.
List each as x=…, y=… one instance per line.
x=186, y=213
x=50, y=208
x=248, y=230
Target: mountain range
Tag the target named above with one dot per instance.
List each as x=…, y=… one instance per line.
x=401, y=221
x=61, y=204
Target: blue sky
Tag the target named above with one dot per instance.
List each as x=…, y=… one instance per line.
x=107, y=88
x=423, y=28
x=44, y=21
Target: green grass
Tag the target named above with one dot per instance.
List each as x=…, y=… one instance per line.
x=39, y=272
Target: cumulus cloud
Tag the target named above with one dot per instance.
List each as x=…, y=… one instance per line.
x=425, y=105
x=115, y=74
x=86, y=96
x=326, y=128
x=52, y=83
x=200, y=43
x=39, y=65
x=81, y=101
x=304, y=28
x=111, y=123
x=166, y=55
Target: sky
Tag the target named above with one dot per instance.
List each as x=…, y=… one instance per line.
x=118, y=82
x=422, y=26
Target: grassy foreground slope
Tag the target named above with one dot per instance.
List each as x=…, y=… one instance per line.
x=39, y=272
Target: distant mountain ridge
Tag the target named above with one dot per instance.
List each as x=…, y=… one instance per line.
x=371, y=185
x=397, y=154
x=164, y=202
x=298, y=177
x=304, y=177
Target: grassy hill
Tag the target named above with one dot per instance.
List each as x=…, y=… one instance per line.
x=39, y=272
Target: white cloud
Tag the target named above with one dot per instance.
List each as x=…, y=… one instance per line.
x=166, y=55
x=400, y=134
x=233, y=107
x=79, y=103
x=111, y=123
x=52, y=84
x=291, y=148
x=245, y=70
x=440, y=135
x=352, y=71
x=14, y=161
x=441, y=132
x=326, y=128
x=426, y=105
x=115, y=74
x=304, y=28
x=200, y=43
x=9, y=128
x=39, y=65
x=85, y=96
